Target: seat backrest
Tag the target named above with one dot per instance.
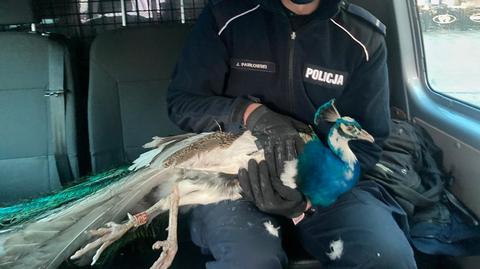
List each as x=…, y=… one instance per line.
x=130, y=70
x=28, y=166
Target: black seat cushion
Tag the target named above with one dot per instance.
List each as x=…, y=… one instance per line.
x=27, y=164
x=130, y=71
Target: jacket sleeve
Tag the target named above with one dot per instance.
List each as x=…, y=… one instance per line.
x=195, y=102
x=366, y=99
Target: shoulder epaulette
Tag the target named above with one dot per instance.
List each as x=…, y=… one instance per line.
x=365, y=15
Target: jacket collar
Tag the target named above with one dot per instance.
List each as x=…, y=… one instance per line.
x=326, y=10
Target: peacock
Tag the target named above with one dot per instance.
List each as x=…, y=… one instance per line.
x=338, y=159
x=180, y=170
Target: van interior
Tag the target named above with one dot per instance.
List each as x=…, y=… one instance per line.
x=83, y=86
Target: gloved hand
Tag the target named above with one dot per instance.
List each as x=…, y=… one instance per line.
x=268, y=192
x=273, y=131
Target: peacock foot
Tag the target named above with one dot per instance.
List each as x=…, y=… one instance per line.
x=109, y=234
x=169, y=250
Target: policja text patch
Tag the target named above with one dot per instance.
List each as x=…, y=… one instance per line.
x=325, y=77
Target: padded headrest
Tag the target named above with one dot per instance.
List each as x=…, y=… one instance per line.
x=16, y=12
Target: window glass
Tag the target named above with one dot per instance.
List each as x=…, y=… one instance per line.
x=451, y=37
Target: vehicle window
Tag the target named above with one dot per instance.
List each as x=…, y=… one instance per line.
x=451, y=38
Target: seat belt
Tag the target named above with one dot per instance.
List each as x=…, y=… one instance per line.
x=56, y=99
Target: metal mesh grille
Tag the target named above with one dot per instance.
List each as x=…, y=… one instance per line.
x=86, y=18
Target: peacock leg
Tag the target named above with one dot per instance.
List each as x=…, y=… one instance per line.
x=114, y=231
x=169, y=247
x=109, y=235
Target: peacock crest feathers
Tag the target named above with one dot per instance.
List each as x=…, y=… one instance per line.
x=327, y=112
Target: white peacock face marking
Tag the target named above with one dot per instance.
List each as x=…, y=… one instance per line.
x=339, y=145
x=351, y=130
x=344, y=130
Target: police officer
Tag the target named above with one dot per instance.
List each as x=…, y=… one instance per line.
x=265, y=66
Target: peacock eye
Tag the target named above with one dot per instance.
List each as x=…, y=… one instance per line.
x=353, y=130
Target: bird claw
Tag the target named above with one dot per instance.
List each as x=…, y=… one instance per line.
x=169, y=250
x=113, y=231
x=108, y=236
x=98, y=232
x=159, y=244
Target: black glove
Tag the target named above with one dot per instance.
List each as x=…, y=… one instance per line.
x=268, y=193
x=274, y=131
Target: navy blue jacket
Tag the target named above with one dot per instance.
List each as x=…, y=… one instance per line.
x=244, y=50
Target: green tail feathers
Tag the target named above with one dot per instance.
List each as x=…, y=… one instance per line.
x=29, y=210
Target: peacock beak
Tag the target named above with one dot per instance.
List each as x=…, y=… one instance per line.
x=364, y=135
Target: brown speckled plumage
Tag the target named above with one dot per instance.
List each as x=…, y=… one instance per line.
x=214, y=140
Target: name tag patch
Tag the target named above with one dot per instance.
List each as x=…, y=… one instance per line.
x=325, y=77
x=251, y=65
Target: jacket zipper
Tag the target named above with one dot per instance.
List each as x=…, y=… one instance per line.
x=291, y=49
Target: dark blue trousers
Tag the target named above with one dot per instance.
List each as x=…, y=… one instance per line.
x=361, y=230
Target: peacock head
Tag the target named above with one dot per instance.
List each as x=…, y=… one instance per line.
x=343, y=130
